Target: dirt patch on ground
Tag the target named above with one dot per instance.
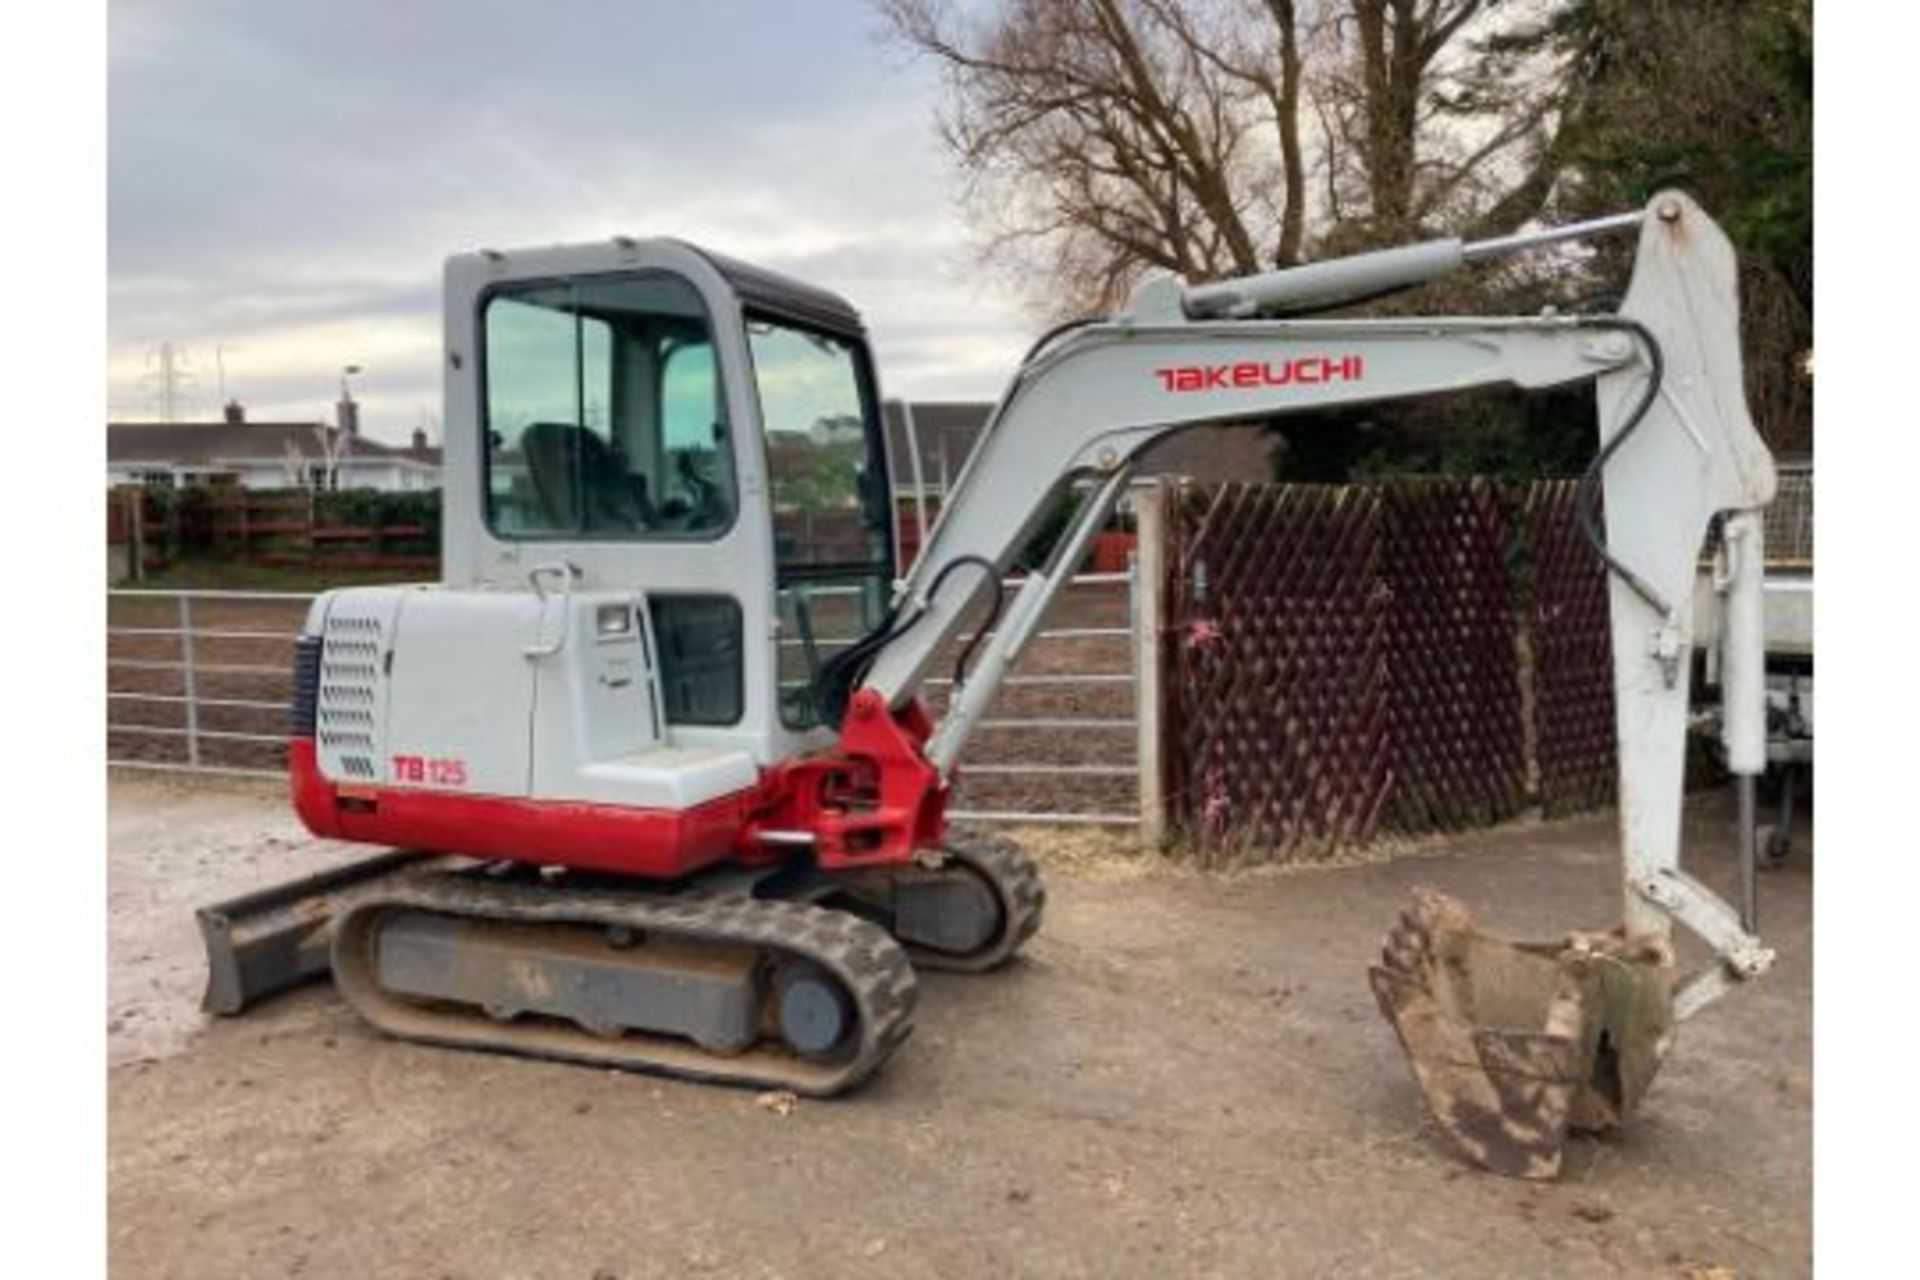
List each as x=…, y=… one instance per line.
x=1185, y=1075
x=198, y=842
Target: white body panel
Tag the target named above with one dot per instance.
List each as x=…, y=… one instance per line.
x=596, y=698
x=598, y=731
x=674, y=778
x=465, y=691
x=462, y=691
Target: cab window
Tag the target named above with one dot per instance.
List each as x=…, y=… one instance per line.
x=603, y=411
x=832, y=537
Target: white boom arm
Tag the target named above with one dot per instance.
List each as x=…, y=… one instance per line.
x=1667, y=372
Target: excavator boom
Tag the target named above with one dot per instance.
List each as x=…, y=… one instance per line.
x=1511, y=1044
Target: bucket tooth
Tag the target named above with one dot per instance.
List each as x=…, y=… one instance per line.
x=1516, y=1044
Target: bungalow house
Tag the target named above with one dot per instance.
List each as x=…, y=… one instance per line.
x=317, y=455
x=266, y=455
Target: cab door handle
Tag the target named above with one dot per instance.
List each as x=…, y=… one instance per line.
x=567, y=573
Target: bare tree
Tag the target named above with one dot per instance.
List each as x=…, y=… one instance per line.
x=1436, y=116
x=1113, y=134
x=332, y=443
x=1217, y=137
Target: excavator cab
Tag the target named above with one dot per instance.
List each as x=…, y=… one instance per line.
x=669, y=422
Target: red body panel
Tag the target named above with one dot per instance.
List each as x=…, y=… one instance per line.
x=873, y=802
x=653, y=843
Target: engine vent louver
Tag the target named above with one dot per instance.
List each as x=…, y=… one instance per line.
x=344, y=721
x=306, y=685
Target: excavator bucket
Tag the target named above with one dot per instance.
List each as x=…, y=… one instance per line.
x=1516, y=1044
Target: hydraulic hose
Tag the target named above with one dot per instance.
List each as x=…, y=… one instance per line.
x=1587, y=492
x=841, y=674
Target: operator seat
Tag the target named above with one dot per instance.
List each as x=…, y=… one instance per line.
x=581, y=481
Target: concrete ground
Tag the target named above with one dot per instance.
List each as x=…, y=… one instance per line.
x=1185, y=1076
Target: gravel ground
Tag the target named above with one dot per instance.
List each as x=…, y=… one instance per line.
x=1184, y=1076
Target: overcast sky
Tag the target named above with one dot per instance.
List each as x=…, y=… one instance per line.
x=285, y=179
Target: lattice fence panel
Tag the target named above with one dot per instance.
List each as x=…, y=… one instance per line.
x=1277, y=666
x=1343, y=661
x=1789, y=518
x=1453, y=678
x=1572, y=654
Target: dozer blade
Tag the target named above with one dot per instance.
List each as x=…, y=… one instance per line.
x=1515, y=1044
x=278, y=937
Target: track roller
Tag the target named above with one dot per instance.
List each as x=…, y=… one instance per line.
x=969, y=907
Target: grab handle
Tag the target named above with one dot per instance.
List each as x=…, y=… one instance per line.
x=567, y=574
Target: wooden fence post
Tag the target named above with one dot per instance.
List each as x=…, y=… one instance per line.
x=1149, y=620
x=135, y=505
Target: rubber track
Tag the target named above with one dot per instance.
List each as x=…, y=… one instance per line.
x=872, y=967
x=1015, y=880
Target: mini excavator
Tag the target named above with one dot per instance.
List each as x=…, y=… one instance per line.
x=653, y=764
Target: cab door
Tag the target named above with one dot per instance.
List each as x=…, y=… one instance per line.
x=831, y=504
x=609, y=466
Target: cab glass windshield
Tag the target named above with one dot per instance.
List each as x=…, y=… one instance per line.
x=604, y=417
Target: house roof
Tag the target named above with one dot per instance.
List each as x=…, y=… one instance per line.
x=212, y=443
x=951, y=428
x=945, y=429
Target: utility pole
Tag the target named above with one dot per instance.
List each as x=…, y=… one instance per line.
x=169, y=374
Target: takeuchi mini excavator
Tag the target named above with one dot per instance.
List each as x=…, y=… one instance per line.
x=653, y=764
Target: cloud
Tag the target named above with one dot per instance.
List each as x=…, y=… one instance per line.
x=284, y=180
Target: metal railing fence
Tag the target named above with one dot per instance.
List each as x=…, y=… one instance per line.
x=188, y=635
x=170, y=669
